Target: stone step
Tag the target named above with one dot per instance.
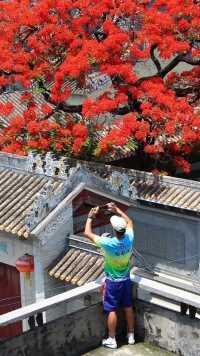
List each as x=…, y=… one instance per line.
x=139, y=349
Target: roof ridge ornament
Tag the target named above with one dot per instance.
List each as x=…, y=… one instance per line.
x=41, y=206
x=48, y=165
x=39, y=165
x=119, y=181
x=50, y=196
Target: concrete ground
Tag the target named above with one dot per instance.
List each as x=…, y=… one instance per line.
x=139, y=349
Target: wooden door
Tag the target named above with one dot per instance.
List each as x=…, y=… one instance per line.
x=10, y=298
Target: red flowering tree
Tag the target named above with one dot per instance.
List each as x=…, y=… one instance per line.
x=45, y=41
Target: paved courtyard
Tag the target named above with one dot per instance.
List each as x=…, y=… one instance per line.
x=139, y=349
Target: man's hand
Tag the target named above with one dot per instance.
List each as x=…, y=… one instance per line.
x=88, y=226
x=93, y=212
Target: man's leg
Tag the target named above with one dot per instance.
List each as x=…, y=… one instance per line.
x=130, y=319
x=110, y=304
x=127, y=300
x=112, y=323
x=130, y=324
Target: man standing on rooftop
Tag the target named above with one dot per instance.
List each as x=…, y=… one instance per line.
x=117, y=253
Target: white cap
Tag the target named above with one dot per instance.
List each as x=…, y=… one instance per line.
x=118, y=223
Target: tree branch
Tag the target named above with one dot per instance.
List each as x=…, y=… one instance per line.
x=26, y=34
x=140, y=80
x=179, y=58
x=7, y=74
x=163, y=72
x=77, y=109
x=69, y=108
x=176, y=60
x=189, y=89
x=193, y=62
x=154, y=58
x=184, y=91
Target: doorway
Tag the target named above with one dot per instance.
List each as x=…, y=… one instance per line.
x=10, y=298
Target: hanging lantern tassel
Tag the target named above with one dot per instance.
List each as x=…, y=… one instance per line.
x=25, y=264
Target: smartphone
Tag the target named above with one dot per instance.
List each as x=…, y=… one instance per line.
x=103, y=207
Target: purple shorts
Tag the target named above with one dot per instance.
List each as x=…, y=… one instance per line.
x=117, y=294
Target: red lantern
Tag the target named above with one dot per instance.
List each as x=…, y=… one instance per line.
x=25, y=263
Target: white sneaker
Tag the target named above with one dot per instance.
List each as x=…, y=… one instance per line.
x=110, y=342
x=131, y=338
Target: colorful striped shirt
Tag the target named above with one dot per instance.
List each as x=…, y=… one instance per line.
x=117, y=253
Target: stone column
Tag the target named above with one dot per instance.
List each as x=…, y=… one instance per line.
x=38, y=274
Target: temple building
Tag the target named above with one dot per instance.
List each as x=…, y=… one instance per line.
x=44, y=203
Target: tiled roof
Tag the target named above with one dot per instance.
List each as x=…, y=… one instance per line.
x=72, y=84
x=19, y=107
x=161, y=191
x=14, y=97
x=169, y=192
x=17, y=193
x=78, y=267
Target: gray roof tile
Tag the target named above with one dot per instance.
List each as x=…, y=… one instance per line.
x=78, y=267
x=171, y=195
x=17, y=193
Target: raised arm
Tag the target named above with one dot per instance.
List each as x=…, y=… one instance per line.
x=88, y=226
x=114, y=208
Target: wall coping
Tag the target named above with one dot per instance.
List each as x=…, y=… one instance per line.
x=48, y=165
x=147, y=284
x=48, y=303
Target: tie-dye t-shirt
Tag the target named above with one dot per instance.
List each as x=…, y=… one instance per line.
x=117, y=254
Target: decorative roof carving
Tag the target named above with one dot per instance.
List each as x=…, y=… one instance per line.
x=40, y=207
x=48, y=165
x=33, y=186
x=118, y=181
x=39, y=165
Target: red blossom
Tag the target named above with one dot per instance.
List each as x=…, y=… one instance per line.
x=65, y=132
x=6, y=109
x=17, y=122
x=32, y=144
x=182, y=164
x=45, y=47
x=46, y=109
x=79, y=130
x=59, y=146
x=12, y=148
x=153, y=149
x=77, y=145
x=27, y=96
x=33, y=127
x=30, y=114
x=43, y=143
x=183, y=25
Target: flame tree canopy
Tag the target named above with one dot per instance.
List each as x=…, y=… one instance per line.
x=50, y=41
